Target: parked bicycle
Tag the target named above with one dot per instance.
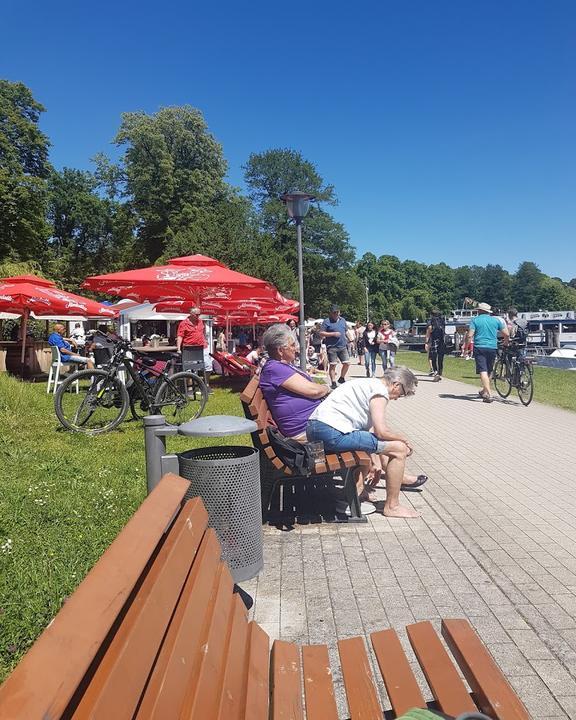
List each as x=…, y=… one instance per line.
x=130, y=380
x=514, y=369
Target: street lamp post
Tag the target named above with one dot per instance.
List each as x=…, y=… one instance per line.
x=297, y=204
x=367, y=301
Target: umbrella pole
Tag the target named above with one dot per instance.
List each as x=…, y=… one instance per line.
x=23, y=332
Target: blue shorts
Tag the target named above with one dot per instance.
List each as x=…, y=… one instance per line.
x=484, y=359
x=336, y=441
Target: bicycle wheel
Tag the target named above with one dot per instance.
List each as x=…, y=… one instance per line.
x=181, y=397
x=501, y=377
x=138, y=403
x=100, y=404
x=525, y=385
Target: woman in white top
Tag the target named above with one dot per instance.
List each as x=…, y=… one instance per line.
x=353, y=417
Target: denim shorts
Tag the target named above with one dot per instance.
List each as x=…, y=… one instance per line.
x=484, y=359
x=336, y=441
x=335, y=354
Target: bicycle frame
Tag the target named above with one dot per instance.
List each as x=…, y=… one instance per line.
x=144, y=391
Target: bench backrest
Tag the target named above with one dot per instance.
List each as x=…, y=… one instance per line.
x=153, y=631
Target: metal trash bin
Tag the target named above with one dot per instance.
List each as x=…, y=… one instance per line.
x=227, y=478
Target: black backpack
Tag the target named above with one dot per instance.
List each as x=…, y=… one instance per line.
x=295, y=455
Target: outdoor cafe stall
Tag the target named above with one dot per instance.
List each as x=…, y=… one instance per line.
x=28, y=296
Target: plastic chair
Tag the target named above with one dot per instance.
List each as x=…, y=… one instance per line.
x=55, y=368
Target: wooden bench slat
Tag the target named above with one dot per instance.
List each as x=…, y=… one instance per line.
x=286, y=682
x=117, y=685
x=361, y=692
x=258, y=675
x=233, y=690
x=69, y=644
x=447, y=687
x=492, y=691
x=401, y=685
x=333, y=462
x=320, y=468
x=348, y=459
x=212, y=651
x=362, y=458
x=248, y=392
x=177, y=668
x=318, y=685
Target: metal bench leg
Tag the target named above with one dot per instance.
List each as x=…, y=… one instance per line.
x=351, y=495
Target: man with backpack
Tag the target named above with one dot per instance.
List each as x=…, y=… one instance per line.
x=435, y=343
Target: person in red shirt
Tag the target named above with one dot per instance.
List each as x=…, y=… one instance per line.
x=191, y=341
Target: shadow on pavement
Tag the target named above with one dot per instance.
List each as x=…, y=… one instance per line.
x=448, y=396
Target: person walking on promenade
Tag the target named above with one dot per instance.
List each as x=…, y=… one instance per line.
x=371, y=345
x=484, y=331
x=360, y=349
x=388, y=344
x=333, y=331
x=435, y=343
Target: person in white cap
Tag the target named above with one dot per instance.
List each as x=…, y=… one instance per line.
x=484, y=329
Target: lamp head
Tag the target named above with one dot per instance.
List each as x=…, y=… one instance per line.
x=297, y=203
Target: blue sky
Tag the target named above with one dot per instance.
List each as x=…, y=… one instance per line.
x=446, y=126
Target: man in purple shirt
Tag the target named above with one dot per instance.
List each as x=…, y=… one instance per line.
x=289, y=393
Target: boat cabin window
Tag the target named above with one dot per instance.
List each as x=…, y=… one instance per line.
x=569, y=327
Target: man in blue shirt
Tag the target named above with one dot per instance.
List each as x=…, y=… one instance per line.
x=57, y=339
x=333, y=330
x=483, y=332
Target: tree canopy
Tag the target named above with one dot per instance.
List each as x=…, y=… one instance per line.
x=167, y=195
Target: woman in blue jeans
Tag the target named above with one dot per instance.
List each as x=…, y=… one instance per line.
x=353, y=417
x=371, y=349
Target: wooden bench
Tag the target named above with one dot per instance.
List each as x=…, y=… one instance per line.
x=274, y=472
x=155, y=631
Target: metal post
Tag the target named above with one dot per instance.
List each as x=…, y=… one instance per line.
x=302, y=328
x=367, y=302
x=155, y=431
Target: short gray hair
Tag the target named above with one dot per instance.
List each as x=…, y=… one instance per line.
x=402, y=375
x=277, y=336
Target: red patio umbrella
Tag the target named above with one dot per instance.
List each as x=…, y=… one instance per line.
x=27, y=293
x=185, y=278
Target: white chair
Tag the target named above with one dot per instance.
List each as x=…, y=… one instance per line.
x=55, y=368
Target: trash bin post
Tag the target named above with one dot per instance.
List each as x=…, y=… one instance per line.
x=157, y=461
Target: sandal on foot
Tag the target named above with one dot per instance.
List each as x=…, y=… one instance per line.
x=412, y=487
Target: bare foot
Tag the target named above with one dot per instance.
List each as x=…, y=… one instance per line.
x=399, y=511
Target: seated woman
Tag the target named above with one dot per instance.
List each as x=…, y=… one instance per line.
x=354, y=418
x=289, y=392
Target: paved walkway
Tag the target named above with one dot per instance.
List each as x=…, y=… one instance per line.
x=496, y=544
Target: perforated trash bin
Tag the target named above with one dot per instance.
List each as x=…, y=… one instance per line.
x=227, y=478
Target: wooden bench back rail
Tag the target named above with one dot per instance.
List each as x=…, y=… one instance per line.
x=155, y=631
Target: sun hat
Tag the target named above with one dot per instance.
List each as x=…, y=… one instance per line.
x=485, y=307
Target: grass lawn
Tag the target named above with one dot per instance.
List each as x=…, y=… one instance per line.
x=552, y=387
x=63, y=499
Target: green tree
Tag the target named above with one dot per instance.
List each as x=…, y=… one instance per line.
x=86, y=236
x=172, y=173
x=526, y=286
x=24, y=168
x=327, y=254
x=496, y=287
